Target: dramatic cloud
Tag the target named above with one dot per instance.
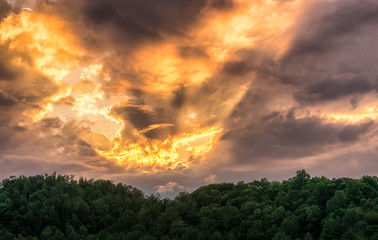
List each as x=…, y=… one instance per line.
x=317, y=99
x=279, y=136
x=156, y=93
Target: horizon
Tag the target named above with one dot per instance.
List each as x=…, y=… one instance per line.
x=173, y=194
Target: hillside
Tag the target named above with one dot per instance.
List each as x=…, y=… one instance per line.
x=60, y=207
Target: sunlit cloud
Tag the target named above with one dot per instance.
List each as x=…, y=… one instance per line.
x=158, y=88
x=169, y=187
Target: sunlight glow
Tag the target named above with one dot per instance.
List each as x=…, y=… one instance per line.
x=86, y=90
x=174, y=152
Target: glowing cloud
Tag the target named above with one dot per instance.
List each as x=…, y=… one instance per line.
x=171, y=87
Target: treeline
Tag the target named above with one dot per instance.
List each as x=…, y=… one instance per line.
x=60, y=207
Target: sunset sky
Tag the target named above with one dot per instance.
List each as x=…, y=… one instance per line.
x=169, y=95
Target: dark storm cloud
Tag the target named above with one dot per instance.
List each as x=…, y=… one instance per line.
x=237, y=68
x=36, y=90
x=160, y=133
x=332, y=56
x=337, y=20
x=252, y=60
x=8, y=72
x=192, y=52
x=351, y=133
x=179, y=98
x=278, y=136
x=333, y=52
x=5, y=8
x=51, y=122
x=331, y=90
x=85, y=149
x=252, y=107
x=155, y=122
x=142, y=119
x=22, y=84
x=5, y=72
x=6, y=102
x=327, y=62
x=136, y=115
x=129, y=23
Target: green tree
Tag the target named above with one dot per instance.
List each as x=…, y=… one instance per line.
x=51, y=232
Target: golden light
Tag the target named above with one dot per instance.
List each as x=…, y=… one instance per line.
x=45, y=39
x=163, y=70
x=192, y=115
x=154, y=155
x=87, y=93
x=252, y=24
x=369, y=113
x=41, y=43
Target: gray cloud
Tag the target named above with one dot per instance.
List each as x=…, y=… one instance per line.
x=328, y=23
x=237, y=68
x=49, y=146
x=6, y=102
x=8, y=72
x=24, y=165
x=332, y=90
x=277, y=136
x=128, y=24
x=5, y=8
x=331, y=60
x=179, y=98
x=192, y=52
x=21, y=84
x=333, y=52
x=155, y=123
x=51, y=122
x=140, y=118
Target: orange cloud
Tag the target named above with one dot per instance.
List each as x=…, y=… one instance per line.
x=149, y=96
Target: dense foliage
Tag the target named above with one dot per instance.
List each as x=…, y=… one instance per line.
x=60, y=207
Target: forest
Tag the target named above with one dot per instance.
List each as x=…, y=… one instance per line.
x=302, y=207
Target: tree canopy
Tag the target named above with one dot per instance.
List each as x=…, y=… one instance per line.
x=303, y=207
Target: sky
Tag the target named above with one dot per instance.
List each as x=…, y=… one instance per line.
x=170, y=95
